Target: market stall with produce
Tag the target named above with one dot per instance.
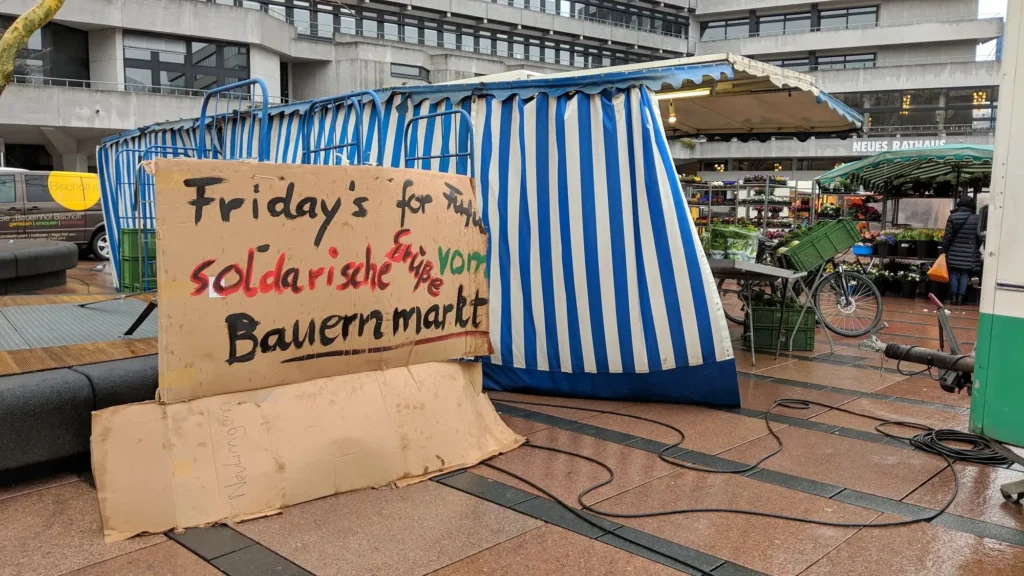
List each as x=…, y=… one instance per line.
x=843, y=300
x=916, y=188
x=769, y=203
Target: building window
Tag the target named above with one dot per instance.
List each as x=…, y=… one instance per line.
x=846, y=62
x=170, y=65
x=796, y=64
x=712, y=166
x=821, y=164
x=849, y=18
x=53, y=52
x=285, y=81
x=927, y=110
x=407, y=71
x=725, y=29
x=319, y=20
x=616, y=13
x=784, y=24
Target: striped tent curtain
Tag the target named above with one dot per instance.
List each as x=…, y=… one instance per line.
x=598, y=284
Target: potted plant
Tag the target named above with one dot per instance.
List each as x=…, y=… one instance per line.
x=906, y=246
x=908, y=280
x=876, y=278
x=885, y=244
x=885, y=281
x=829, y=210
x=923, y=243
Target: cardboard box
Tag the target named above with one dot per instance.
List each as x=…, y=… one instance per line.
x=270, y=274
x=235, y=456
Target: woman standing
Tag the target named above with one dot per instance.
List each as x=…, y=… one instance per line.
x=960, y=245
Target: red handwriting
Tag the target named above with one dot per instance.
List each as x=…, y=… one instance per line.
x=419, y=265
x=234, y=278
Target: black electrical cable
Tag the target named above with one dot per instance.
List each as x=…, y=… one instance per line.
x=926, y=441
x=979, y=450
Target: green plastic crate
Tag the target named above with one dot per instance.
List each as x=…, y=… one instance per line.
x=131, y=278
x=822, y=241
x=765, y=317
x=766, y=328
x=130, y=243
x=765, y=339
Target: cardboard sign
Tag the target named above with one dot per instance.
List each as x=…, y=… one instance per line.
x=248, y=454
x=270, y=274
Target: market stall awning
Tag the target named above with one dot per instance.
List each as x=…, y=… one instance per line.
x=916, y=163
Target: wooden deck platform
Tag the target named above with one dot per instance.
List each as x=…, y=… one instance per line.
x=35, y=359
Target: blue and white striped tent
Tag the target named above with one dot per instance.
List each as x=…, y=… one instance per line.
x=598, y=284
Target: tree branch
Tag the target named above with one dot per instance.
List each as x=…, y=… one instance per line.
x=16, y=37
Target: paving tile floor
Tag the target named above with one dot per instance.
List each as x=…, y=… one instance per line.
x=832, y=468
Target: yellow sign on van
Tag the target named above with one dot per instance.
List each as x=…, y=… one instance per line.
x=76, y=191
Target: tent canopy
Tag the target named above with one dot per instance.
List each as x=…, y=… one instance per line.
x=719, y=96
x=916, y=163
x=598, y=286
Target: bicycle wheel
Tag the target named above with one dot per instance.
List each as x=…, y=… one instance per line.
x=849, y=303
x=732, y=294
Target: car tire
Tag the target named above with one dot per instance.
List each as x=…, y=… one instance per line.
x=100, y=245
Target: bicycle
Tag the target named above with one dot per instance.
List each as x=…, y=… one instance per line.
x=846, y=302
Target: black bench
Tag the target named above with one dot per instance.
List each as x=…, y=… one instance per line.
x=27, y=265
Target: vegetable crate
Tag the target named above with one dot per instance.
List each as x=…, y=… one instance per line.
x=732, y=243
x=138, y=260
x=766, y=328
x=136, y=242
x=133, y=279
x=822, y=241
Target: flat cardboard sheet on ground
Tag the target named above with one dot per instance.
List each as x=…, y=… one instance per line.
x=161, y=466
x=270, y=274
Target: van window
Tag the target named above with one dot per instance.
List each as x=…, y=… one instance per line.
x=7, y=189
x=37, y=188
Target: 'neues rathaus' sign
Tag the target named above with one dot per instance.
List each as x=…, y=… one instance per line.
x=876, y=145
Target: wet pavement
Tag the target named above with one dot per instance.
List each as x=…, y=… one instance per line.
x=834, y=467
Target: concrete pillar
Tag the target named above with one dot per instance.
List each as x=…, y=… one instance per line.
x=72, y=163
x=266, y=65
x=106, y=58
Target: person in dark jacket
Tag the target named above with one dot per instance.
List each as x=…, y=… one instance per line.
x=960, y=245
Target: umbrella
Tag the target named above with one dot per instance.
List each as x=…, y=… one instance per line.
x=875, y=171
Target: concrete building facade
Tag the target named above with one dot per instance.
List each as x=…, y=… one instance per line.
x=104, y=66
x=909, y=66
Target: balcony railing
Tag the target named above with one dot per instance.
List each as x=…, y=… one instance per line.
x=122, y=87
x=977, y=126
x=833, y=66
x=876, y=24
x=548, y=9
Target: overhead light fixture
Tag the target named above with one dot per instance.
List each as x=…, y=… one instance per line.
x=671, y=112
x=684, y=94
